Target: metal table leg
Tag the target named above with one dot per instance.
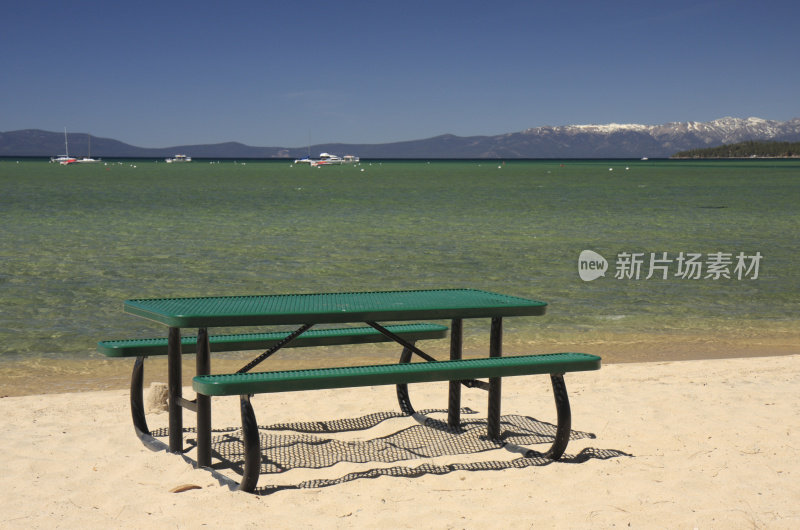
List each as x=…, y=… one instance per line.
x=252, y=446
x=175, y=391
x=402, y=389
x=495, y=383
x=564, y=417
x=137, y=398
x=203, y=367
x=454, y=395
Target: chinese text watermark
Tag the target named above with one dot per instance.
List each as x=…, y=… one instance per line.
x=663, y=265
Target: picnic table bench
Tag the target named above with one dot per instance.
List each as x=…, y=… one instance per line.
x=371, y=308
x=143, y=348
x=247, y=384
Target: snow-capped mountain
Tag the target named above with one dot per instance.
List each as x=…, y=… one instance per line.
x=633, y=140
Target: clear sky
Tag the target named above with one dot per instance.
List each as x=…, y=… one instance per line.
x=283, y=73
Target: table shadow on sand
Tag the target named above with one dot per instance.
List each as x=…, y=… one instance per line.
x=287, y=446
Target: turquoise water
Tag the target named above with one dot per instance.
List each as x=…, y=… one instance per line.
x=79, y=240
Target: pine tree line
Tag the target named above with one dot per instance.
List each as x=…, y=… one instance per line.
x=745, y=150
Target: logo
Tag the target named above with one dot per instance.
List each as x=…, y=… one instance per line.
x=591, y=265
x=665, y=265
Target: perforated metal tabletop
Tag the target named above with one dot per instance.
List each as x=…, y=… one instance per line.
x=331, y=308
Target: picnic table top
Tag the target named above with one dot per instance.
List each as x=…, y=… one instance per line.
x=322, y=308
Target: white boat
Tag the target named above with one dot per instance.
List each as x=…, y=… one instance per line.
x=327, y=159
x=178, y=158
x=87, y=159
x=65, y=158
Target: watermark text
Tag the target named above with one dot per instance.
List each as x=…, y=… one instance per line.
x=665, y=265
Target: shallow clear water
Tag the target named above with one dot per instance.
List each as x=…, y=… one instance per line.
x=79, y=240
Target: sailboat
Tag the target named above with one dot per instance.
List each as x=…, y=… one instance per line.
x=65, y=158
x=87, y=159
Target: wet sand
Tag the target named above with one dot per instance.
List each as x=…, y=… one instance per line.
x=96, y=372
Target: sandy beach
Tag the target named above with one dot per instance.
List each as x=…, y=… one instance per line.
x=683, y=444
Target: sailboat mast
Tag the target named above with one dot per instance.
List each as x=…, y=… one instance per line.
x=66, y=145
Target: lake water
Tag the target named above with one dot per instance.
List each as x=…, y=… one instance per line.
x=78, y=240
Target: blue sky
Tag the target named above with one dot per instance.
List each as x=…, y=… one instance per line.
x=158, y=74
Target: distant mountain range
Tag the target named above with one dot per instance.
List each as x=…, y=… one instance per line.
x=567, y=141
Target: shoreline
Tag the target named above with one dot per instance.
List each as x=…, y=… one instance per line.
x=96, y=372
x=701, y=443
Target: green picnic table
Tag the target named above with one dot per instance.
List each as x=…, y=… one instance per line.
x=373, y=308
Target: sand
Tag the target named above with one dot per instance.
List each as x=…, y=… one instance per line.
x=706, y=444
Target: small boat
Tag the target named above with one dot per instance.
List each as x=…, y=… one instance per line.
x=87, y=159
x=65, y=158
x=327, y=159
x=178, y=158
